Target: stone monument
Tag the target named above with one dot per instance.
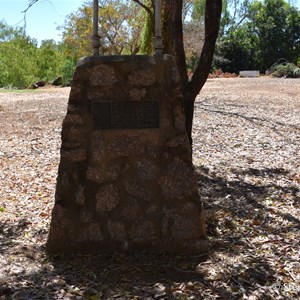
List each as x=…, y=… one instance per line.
x=126, y=180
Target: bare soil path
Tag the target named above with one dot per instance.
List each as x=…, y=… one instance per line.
x=247, y=156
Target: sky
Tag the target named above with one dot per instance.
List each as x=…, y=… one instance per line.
x=43, y=18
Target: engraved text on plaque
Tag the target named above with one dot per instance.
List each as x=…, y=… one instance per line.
x=126, y=115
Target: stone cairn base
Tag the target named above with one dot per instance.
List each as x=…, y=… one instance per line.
x=126, y=180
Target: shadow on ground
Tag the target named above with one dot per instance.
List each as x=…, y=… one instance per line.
x=237, y=212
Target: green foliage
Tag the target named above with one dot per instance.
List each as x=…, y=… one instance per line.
x=198, y=12
x=8, y=33
x=147, y=33
x=48, y=60
x=277, y=24
x=264, y=32
x=286, y=70
x=192, y=62
x=22, y=62
x=120, y=25
x=17, y=63
x=237, y=51
x=67, y=70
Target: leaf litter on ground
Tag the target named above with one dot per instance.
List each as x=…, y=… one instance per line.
x=246, y=155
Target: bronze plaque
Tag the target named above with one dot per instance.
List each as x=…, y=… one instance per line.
x=126, y=115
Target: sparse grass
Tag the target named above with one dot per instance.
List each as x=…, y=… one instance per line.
x=17, y=91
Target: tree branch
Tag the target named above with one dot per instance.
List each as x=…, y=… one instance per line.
x=149, y=11
x=31, y=3
x=213, y=12
x=178, y=47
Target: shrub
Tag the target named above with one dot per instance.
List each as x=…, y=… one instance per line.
x=285, y=70
x=67, y=70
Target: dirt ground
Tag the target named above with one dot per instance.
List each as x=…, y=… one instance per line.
x=246, y=154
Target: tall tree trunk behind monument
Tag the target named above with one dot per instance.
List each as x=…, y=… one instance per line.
x=173, y=35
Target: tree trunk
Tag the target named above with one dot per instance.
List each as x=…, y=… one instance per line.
x=213, y=10
x=192, y=87
x=172, y=34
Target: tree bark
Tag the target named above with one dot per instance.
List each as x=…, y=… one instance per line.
x=213, y=10
x=192, y=87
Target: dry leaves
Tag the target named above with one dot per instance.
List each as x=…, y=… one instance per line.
x=246, y=153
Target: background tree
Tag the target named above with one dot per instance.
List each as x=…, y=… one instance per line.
x=120, y=25
x=17, y=57
x=22, y=62
x=258, y=35
x=277, y=26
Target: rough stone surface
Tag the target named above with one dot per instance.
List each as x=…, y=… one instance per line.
x=117, y=231
x=178, y=180
x=142, y=232
x=103, y=174
x=147, y=170
x=137, y=94
x=133, y=211
x=75, y=155
x=91, y=232
x=102, y=75
x=107, y=198
x=126, y=189
x=80, y=197
x=142, y=78
x=135, y=189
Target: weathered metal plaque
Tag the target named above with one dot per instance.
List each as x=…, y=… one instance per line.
x=126, y=115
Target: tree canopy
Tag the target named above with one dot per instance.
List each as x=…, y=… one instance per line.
x=265, y=32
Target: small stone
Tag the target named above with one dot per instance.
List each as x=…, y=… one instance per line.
x=75, y=155
x=71, y=120
x=79, y=196
x=132, y=211
x=186, y=228
x=71, y=134
x=102, y=174
x=71, y=145
x=182, y=222
x=179, y=119
x=107, y=198
x=91, y=232
x=137, y=94
x=102, y=75
x=86, y=216
x=178, y=180
x=117, y=231
x=147, y=170
x=175, y=75
x=135, y=189
x=143, y=232
x=142, y=77
x=60, y=225
x=181, y=140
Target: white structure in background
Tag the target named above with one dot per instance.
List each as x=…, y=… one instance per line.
x=251, y=73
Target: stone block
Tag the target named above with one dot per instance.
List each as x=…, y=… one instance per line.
x=107, y=198
x=124, y=185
